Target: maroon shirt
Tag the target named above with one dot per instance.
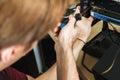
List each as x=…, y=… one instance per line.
x=12, y=74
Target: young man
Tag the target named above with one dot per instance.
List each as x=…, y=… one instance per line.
x=23, y=23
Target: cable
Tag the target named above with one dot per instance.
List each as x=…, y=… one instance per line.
x=84, y=55
x=110, y=34
x=83, y=59
x=113, y=27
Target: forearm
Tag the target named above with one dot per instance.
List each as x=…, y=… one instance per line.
x=50, y=74
x=66, y=65
x=77, y=47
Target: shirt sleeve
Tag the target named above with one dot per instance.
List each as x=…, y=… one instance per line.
x=13, y=74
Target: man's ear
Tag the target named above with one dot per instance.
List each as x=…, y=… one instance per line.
x=7, y=54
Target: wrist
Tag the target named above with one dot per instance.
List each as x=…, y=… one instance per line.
x=83, y=41
x=62, y=47
x=66, y=45
x=85, y=36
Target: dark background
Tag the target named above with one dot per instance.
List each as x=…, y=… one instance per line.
x=28, y=65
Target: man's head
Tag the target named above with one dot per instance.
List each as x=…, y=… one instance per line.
x=23, y=23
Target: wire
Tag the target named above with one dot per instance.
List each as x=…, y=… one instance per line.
x=83, y=59
x=84, y=55
x=110, y=34
x=113, y=27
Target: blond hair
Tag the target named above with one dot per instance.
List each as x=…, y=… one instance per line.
x=24, y=21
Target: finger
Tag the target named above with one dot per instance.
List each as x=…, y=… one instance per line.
x=55, y=32
x=77, y=10
x=90, y=19
x=57, y=27
x=72, y=20
x=59, y=24
x=83, y=18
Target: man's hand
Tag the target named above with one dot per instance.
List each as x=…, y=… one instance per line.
x=74, y=30
x=67, y=38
